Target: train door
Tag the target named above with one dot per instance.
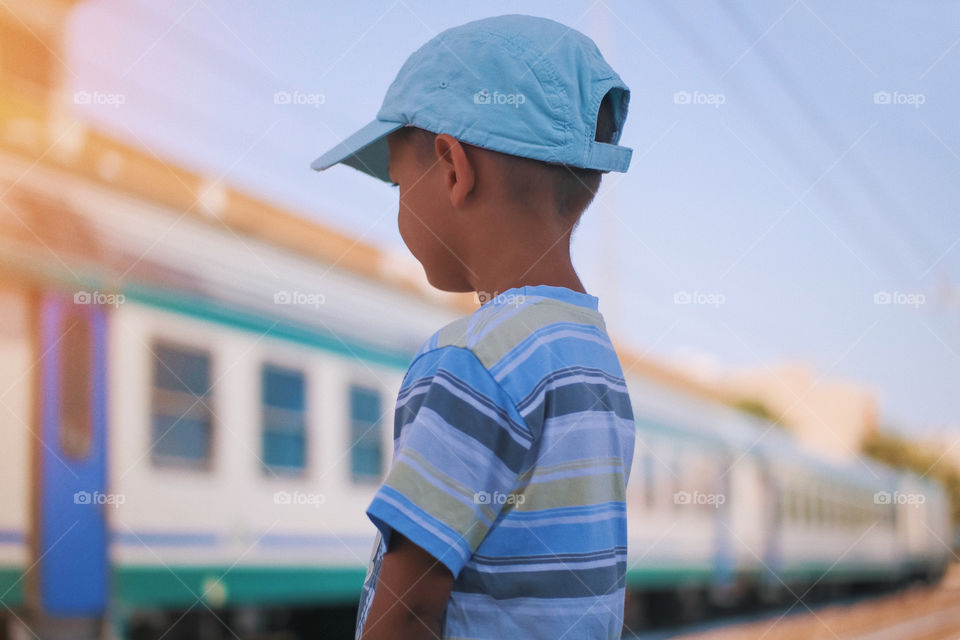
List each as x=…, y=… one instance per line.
x=772, y=522
x=724, y=552
x=71, y=527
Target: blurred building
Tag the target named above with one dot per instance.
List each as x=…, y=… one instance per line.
x=830, y=417
x=942, y=444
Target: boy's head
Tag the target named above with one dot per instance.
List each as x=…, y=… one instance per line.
x=499, y=127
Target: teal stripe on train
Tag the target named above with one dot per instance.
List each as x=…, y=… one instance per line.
x=245, y=320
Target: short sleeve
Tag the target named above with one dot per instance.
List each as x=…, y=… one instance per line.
x=461, y=448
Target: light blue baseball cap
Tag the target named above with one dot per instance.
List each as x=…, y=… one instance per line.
x=517, y=84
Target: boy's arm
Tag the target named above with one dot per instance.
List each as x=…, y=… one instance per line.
x=411, y=594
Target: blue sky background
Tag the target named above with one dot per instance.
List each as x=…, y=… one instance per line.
x=796, y=199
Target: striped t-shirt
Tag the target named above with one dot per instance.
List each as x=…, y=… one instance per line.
x=513, y=438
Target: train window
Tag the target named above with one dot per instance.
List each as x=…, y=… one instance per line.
x=182, y=420
x=703, y=472
x=635, y=490
x=677, y=468
x=649, y=478
x=75, y=383
x=850, y=508
x=283, y=405
x=366, y=434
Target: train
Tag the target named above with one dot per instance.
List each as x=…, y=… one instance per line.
x=195, y=411
x=725, y=508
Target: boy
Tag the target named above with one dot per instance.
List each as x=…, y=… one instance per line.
x=503, y=513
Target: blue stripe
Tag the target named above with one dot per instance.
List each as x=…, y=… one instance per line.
x=392, y=510
x=299, y=540
x=166, y=538
x=559, y=337
x=531, y=538
x=10, y=536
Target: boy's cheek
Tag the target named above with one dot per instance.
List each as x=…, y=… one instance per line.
x=403, y=225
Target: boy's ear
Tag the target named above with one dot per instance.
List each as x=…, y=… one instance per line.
x=458, y=168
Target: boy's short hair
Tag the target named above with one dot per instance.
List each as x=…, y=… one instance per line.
x=574, y=188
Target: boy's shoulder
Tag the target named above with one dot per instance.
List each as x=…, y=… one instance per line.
x=525, y=358
x=510, y=321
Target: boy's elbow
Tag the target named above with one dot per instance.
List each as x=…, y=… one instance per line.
x=411, y=596
x=420, y=617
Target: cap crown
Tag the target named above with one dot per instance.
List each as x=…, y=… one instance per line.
x=517, y=84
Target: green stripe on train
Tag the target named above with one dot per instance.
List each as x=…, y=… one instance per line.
x=827, y=572
x=225, y=315
x=179, y=586
x=667, y=576
x=11, y=586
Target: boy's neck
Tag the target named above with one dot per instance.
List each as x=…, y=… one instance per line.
x=556, y=275
x=520, y=248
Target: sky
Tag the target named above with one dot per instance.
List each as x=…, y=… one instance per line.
x=795, y=166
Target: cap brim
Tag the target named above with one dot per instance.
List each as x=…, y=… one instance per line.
x=365, y=150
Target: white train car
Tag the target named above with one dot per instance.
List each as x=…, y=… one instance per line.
x=725, y=508
x=923, y=529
